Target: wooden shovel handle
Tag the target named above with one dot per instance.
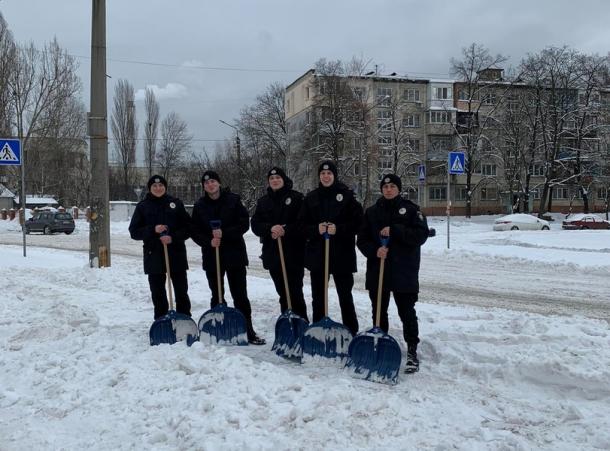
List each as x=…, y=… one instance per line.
x=326, y=264
x=218, y=280
x=283, y=262
x=169, y=278
x=379, y=290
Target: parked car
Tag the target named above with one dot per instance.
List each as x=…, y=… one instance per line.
x=520, y=221
x=582, y=221
x=49, y=222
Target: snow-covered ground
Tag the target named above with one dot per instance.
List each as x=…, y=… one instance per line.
x=515, y=354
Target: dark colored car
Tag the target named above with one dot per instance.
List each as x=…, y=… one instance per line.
x=585, y=221
x=49, y=222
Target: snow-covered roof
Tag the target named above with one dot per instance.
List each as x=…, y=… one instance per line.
x=5, y=192
x=38, y=200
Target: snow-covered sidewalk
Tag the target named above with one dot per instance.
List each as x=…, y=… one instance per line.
x=78, y=373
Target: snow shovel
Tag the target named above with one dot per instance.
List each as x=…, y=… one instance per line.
x=290, y=327
x=173, y=326
x=373, y=354
x=222, y=324
x=326, y=340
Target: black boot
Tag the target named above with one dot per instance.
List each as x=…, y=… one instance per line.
x=254, y=339
x=412, y=365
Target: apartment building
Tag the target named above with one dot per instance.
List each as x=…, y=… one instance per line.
x=400, y=124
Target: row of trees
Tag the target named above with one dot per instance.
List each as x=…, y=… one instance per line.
x=549, y=118
x=165, y=150
x=40, y=104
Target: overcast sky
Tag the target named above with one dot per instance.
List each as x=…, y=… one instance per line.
x=210, y=58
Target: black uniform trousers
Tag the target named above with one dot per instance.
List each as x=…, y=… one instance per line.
x=344, y=283
x=159, y=295
x=239, y=292
x=405, y=302
x=295, y=285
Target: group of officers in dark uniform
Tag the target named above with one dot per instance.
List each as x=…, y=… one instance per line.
x=392, y=229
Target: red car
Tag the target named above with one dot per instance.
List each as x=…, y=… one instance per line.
x=584, y=221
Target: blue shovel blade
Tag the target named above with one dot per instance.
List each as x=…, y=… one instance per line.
x=289, y=330
x=223, y=325
x=172, y=328
x=326, y=341
x=375, y=356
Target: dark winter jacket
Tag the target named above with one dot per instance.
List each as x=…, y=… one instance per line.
x=280, y=207
x=335, y=204
x=408, y=231
x=234, y=223
x=165, y=210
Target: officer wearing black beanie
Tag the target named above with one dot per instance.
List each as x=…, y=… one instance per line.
x=222, y=205
x=276, y=215
x=156, y=179
x=402, y=223
x=162, y=219
x=332, y=209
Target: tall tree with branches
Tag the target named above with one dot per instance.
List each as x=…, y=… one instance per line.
x=125, y=131
x=477, y=121
x=151, y=108
x=175, y=143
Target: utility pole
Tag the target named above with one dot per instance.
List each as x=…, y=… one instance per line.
x=99, y=222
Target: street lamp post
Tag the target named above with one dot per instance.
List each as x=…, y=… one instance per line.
x=238, y=151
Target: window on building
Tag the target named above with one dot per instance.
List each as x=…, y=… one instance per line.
x=488, y=169
x=489, y=193
x=384, y=96
x=489, y=98
x=384, y=120
x=441, y=93
x=411, y=95
x=602, y=193
x=307, y=93
x=440, y=117
x=535, y=194
x=461, y=193
x=412, y=194
x=413, y=144
x=537, y=169
x=411, y=120
x=440, y=145
x=437, y=193
x=384, y=140
x=360, y=93
x=561, y=192
x=384, y=164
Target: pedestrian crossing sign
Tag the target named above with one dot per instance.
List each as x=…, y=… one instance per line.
x=10, y=152
x=456, y=162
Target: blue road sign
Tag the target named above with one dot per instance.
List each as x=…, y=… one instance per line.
x=422, y=172
x=456, y=162
x=10, y=151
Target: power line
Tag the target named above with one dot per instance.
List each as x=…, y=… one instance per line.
x=194, y=66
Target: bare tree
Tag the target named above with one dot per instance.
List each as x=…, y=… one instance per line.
x=7, y=61
x=42, y=84
x=175, y=143
x=151, y=106
x=479, y=97
x=264, y=124
x=125, y=131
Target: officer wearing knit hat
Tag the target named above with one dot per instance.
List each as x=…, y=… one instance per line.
x=207, y=175
x=391, y=178
x=160, y=219
x=404, y=225
x=328, y=165
x=277, y=171
x=156, y=179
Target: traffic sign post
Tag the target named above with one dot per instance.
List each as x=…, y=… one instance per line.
x=421, y=171
x=455, y=165
x=10, y=152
